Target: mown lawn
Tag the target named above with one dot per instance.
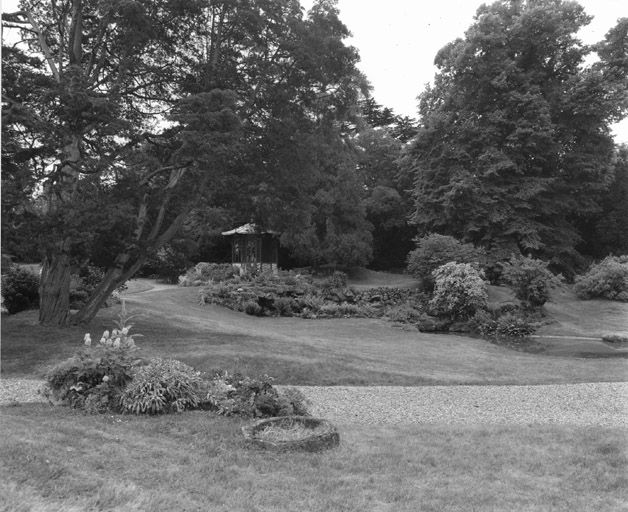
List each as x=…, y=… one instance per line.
x=56, y=459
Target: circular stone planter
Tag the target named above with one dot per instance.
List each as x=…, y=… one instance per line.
x=292, y=433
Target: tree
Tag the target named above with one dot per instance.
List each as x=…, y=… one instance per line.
x=387, y=201
x=514, y=141
x=145, y=107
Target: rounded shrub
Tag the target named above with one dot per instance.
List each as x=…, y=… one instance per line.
x=162, y=386
x=459, y=291
x=530, y=279
x=607, y=279
x=20, y=290
x=435, y=250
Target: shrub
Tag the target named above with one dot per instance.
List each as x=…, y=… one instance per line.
x=405, y=313
x=203, y=273
x=337, y=281
x=434, y=251
x=530, y=279
x=607, y=279
x=286, y=306
x=252, y=308
x=162, y=386
x=238, y=395
x=20, y=290
x=483, y=323
x=459, y=290
x=514, y=326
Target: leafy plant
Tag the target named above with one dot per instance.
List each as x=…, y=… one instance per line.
x=607, y=279
x=483, y=323
x=238, y=395
x=94, y=378
x=163, y=385
x=530, y=279
x=514, y=326
x=459, y=290
x=20, y=290
x=435, y=250
x=203, y=273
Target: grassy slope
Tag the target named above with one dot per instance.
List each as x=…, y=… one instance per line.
x=297, y=351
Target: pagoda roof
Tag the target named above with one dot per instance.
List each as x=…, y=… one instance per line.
x=249, y=229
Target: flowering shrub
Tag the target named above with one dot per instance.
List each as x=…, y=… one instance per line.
x=459, y=292
x=607, y=279
x=530, y=279
x=164, y=385
x=94, y=378
x=435, y=250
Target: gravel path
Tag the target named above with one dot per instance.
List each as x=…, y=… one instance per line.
x=601, y=404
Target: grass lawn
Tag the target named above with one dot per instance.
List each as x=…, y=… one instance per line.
x=57, y=459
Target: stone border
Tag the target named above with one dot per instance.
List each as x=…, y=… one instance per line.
x=323, y=439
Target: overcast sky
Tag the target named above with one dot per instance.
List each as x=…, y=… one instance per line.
x=398, y=40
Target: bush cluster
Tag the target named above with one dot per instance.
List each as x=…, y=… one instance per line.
x=20, y=290
x=435, y=250
x=607, y=279
x=502, y=323
x=290, y=294
x=108, y=377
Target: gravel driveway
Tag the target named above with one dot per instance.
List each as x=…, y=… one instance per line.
x=599, y=404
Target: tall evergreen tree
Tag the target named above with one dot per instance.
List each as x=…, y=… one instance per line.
x=514, y=141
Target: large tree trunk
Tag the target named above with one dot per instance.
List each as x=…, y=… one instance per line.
x=54, y=287
x=116, y=276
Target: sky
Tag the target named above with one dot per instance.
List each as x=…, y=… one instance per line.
x=398, y=40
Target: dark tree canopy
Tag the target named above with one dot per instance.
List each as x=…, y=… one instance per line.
x=119, y=116
x=514, y=145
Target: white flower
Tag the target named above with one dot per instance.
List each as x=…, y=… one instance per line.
x=105, y=334
x=87, y=339
x=116, y=344
x=103, y=341
x=105, y=378
x=125, y=331
x=114, y=332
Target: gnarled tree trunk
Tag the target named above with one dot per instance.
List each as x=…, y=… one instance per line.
x=54, y=287
x=116, y=276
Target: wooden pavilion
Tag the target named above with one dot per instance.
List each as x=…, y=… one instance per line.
x=253, y=248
